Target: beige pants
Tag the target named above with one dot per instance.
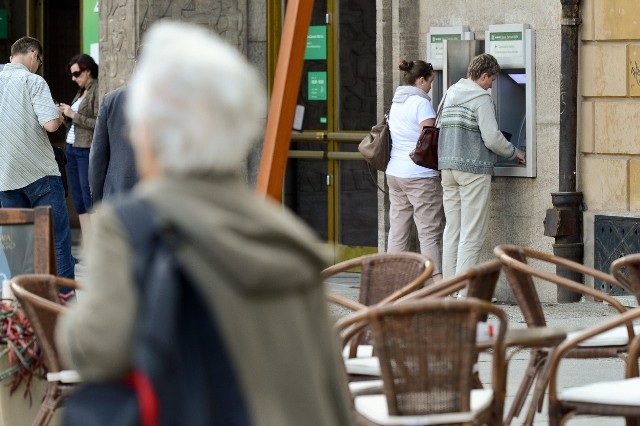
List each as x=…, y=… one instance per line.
x=416, y=201
x=466, y=207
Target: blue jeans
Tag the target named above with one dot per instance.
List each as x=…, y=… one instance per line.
x=78, y=173
x=47, y=191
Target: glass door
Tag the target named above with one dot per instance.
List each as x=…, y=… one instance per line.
x=327, y=182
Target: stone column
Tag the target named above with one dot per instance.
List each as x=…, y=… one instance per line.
x=398, y=30
x=123, y=23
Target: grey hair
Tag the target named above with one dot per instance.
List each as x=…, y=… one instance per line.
x=483, y=63
x=199, y=101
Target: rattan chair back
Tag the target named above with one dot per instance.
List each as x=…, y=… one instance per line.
x=520, y=276
x=627, y=271
x=38, y=295
x=384, y=277
x=427, y=351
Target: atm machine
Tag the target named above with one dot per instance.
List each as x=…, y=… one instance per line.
x=513, y=92
x=437, y=38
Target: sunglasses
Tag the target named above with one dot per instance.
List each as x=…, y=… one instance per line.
x=76, y=74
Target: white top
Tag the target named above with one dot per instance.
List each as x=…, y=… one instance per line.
x=404, y=123
x=71, y=136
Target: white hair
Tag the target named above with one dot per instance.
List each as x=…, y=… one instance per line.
x=197, y=98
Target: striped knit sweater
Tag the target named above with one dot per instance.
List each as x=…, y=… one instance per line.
x=470, y=140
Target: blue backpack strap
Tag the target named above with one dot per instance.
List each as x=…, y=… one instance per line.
x=141, y=224
x=183, y=352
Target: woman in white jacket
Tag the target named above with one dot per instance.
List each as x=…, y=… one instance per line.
x=415, y=192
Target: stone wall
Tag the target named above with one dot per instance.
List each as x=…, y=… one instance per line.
x=518, y=205
x=123, y=23
x=609, y=136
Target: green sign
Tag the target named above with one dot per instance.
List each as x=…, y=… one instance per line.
x=90, y=29
x=316, y=43
x=439, y=38
x=4, y=24
x=506, y=36
x=317, y=85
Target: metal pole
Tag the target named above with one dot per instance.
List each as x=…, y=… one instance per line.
x=564, y=221
x=277, y=136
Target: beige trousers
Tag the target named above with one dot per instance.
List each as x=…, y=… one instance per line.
x=466, y=208
x=416, y=201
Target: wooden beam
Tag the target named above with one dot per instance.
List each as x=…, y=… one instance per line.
x=284, y=96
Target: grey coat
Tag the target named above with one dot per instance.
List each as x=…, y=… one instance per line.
x=112, y=168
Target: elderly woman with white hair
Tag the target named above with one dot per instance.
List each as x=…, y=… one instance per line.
x=195, y=106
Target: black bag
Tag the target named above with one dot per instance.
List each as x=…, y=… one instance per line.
x=61, y=159
x=425, y=153
x=182, y=372
x=376, y=146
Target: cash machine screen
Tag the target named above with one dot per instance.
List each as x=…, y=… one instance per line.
x=509, y=93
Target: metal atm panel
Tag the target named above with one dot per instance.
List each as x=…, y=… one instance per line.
x=514, y=93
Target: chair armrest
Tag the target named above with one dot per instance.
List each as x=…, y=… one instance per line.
x=38, y=301
x=500, y=252
x=64, y=376
x=625, y=318
x=632, y=358
x=68, y=282
x=352, y=305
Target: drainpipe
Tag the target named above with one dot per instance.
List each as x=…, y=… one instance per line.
x=564, y=220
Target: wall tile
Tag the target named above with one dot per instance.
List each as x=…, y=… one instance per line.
x=634, y=185
x=605, y=184
x=602, y=70
x=617, y=19
x=586, y=124
x=616, y=127
x=586, y=28
x=633, y=70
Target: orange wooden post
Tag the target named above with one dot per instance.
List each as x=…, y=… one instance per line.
x=283, y=99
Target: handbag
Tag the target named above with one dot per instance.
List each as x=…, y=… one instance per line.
x=425, y=153
x=376, y=146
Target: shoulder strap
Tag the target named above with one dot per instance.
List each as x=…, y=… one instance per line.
x=141, y=223
x=440, y=109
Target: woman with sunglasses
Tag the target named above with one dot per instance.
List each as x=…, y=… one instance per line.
x=80, y=119
x=415, y=192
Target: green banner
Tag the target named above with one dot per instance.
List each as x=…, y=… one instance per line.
x=316, y=43
x=506, y=36
x=439, y=38
x=90, y=29
x=317, y=84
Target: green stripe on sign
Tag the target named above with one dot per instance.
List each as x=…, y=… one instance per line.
x=506, y=36
x=439, y=38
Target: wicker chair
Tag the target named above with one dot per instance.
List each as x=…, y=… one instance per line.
x=427, y=352
x=519, y=276
x=627, y=271
x=39, y=297
x=620, y=398
x=384, y=277
x=480, y=282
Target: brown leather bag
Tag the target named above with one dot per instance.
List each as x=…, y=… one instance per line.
x=425, y=153
x=376, y=146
